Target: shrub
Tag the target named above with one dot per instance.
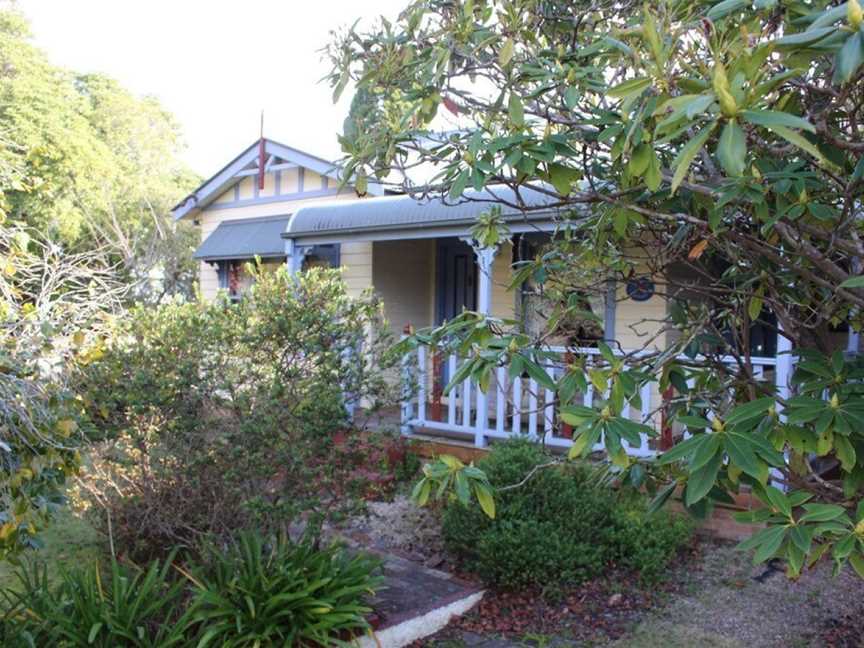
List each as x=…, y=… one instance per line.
x=218, y=416
x=281, y=594
x=148, y=499
x=124, y=607
x=558, y=527
x=643, y=542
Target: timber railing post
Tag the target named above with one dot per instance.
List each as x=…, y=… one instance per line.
x=566, y=429
x=666, y=440
x=437, y=383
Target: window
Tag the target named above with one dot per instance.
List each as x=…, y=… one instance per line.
x=321, y=256
x=235, y=277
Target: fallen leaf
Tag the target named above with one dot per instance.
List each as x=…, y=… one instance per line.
x=697, y=250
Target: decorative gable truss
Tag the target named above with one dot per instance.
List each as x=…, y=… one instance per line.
x=288, y=174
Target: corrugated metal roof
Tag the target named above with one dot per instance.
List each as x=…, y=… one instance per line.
x=244, y=239
x=405, y=212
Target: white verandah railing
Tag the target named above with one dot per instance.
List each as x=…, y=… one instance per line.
x=520, y=407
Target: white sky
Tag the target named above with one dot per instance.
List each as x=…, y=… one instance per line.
x=214, y=64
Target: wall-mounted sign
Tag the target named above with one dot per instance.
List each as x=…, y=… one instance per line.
x=640, y=289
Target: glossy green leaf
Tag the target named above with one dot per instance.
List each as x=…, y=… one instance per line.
x=799, y=141
x=853, y=282
x=732, y=149
x=821, y=513
x=562, y=178
x=726, y=7
x=628, y=88
x=485, y=499
x=689, y=151
x=683, y=449
x=771, y=544
x=749, y=410
x=770, y=118
x=705, y=451
x=857, y=562
x=849, y=58
x=662, y=497
x=700, y=483
x=778, y=500
x=653, y=177
x=505, y=54
x=809, y=37
x=516, y=110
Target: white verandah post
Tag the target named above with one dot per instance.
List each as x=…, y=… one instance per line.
x=407, y=409
x=294, y=256
x=782, y=376
x=485, y=258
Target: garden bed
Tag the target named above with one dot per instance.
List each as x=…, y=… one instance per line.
x=714, y=597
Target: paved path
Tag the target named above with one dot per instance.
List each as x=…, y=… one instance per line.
x=412, y=590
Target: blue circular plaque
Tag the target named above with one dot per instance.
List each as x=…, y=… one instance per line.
x=640, y=289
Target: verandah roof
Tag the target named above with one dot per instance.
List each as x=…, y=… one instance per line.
x=398, y=217
x=245, y=239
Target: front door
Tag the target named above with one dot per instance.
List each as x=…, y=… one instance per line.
x=457, y=279
x=456, y=290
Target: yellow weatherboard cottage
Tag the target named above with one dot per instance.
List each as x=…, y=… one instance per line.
x=289, y=207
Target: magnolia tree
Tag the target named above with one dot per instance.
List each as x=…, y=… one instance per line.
x=714, y=147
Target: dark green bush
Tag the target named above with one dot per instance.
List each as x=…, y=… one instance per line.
x=124, y=607
x=645, y=543
x=524, y=551
x=281, y=594
x=558, y=527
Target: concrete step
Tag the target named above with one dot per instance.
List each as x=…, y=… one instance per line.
x=417, y=602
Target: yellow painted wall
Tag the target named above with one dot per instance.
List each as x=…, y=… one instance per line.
x=247, y=190
x=636, y=323
x=269, y=185
x=312, y=181
x=356, y=262
x=503, y=300
x=290, y=182
x=226, y=197
x=631, y=328
x=400, y=274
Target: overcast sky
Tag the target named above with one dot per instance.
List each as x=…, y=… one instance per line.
x=214, y=64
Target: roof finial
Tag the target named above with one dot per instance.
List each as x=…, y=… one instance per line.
x=261, y=154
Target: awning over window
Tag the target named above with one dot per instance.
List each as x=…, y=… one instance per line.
x=244, y=239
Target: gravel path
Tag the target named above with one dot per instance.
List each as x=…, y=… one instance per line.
x=728, y=602
x=721, y=600
x=399, y=527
